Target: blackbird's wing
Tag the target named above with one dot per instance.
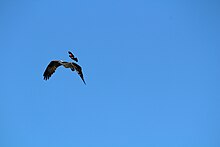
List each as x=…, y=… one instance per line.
x=78, y=70
x=51, y=68
x=72, y=56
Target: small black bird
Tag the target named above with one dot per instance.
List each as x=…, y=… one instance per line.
x=72, y=56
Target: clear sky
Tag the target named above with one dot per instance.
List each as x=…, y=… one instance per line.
x=152, y=69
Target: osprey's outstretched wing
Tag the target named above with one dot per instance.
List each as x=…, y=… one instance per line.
x=51, y=69
x=72, y=56
x=78, y=70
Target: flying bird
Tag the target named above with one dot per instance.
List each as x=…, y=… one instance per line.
x=53, y=65
x=72, y=56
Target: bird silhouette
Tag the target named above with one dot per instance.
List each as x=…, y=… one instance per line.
x=53, y=65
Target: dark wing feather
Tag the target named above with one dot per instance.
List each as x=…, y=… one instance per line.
x=51, y=69
x=79, y=71
x=72, y=56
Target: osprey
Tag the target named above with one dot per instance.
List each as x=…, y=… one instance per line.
x=53, y=65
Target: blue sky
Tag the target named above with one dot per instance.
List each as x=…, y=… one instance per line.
x=151, y=67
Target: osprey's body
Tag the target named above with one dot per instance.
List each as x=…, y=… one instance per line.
x=66, y=64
